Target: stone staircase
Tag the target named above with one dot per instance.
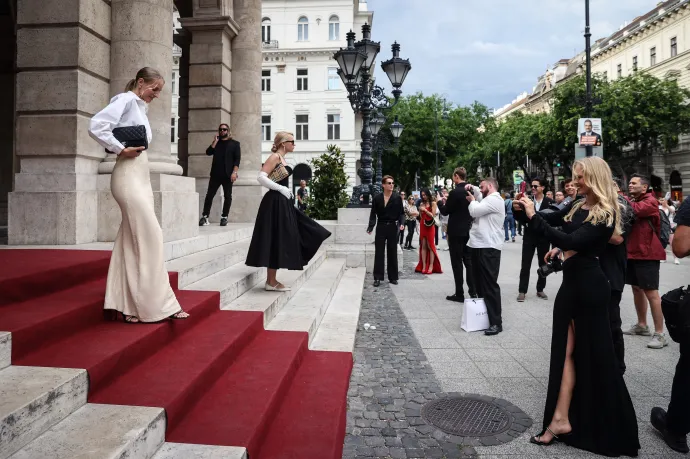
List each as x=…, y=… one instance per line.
x=63, y=410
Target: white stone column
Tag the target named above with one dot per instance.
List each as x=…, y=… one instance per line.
x=142, y=34
x=246, y=107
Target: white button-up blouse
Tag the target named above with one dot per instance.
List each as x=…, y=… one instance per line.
x=125, y=109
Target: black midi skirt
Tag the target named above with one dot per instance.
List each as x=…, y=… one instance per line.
x=601, y=411
x=284, y=237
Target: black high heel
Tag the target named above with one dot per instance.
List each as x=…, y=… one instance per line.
x=563, y=438
x=111, y=315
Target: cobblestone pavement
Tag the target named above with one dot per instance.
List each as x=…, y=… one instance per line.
x=514, y=365
x=391, y=379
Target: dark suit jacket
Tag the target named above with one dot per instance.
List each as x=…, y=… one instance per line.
x=393, y=212
x=530, y=235
x=231, y=155
x=457, y=210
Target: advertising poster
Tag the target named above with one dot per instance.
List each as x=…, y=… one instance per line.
x=589, y=132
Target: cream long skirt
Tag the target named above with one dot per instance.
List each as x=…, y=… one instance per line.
x=138, y=284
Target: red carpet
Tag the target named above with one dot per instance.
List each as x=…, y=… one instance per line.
x=222, y=378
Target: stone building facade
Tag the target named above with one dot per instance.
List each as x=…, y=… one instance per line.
x=67, y=58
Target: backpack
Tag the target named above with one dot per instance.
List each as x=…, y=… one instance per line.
x=665, y=233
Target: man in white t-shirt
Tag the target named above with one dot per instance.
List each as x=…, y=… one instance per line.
x=486, y=240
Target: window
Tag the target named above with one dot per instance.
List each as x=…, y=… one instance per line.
x=302, y=80
x=265, y=81
x=173, y=83
x=334, y=28
x=266, y=127
x=606, y=76
x=302, y=130
x=266, y=30
x=173, y=138
x=333, y=79
x=619, y=70
x=634, y=63
x=674, y=47
x=333, y=127
x=652, y=56
x=303, y=29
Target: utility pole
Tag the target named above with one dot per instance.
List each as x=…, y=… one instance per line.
x=588, y=59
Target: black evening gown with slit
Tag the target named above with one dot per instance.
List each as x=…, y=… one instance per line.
x=601, y=413
x=284, y=237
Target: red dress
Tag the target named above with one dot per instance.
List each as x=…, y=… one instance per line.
x=428, y=233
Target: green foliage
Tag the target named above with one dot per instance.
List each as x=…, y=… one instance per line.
x=328, y=185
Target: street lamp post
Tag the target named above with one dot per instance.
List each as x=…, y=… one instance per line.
x=356, y=62
x=445, y=117
x=381, y=143
x=588, y=66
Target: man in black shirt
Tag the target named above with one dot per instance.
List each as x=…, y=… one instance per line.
x=456, y=207
x=675, y=425
x=387, y=207
x=226, y=162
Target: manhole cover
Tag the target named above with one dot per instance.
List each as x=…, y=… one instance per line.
x=467, y=416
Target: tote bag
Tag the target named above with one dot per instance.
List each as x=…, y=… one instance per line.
x=474, y=315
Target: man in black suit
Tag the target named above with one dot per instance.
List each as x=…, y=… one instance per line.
x=532, y=241
x=456, y=207
x=388, y=216
x=588, y=134
x=226, y=162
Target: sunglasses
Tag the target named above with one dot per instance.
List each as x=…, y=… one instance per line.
x=290, y=141
x=222, y=129
x=390, y=183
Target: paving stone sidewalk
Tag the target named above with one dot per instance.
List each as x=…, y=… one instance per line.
x=391, y=380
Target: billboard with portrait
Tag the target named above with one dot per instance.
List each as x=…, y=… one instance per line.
x=589, y=132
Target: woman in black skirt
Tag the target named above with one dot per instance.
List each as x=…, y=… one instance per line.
x=587, y=404
x=284, y=237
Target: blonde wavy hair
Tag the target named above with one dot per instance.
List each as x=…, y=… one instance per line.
x=280, y=138
x=596, y=174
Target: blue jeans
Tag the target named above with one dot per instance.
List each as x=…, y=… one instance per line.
x=509, y=226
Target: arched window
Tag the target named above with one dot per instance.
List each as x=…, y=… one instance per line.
x=303, y=29
x=266, y=30
x=334, y=28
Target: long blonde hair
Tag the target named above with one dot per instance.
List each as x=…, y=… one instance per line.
x=596, y=174
x=279, y=139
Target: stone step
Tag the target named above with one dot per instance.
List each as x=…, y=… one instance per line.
x=190, y=451
x=307, y=307
x=358, y=255
x=270, y=303
x=208, y=238
x=231, y=282
x=339, y=325
x=352, y=234
x=34, y=399
x=197, y=266
x=103, y=432
x=5, y=349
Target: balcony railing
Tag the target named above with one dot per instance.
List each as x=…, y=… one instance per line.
x=271, y=44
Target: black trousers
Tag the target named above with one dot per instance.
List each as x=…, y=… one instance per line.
x=528, y=247
x=486, y=264
x=678, y=417
x=401, y=236
x=213, y=184
x=411, y=226
x=386, y=239
x=461, y=254
x=616, y=331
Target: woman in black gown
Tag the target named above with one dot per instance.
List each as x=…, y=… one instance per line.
x=284, y=237
x=587, y=404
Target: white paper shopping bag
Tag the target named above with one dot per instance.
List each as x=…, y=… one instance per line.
x=474, y=316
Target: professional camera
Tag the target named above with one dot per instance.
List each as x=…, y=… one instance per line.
x=554, y=265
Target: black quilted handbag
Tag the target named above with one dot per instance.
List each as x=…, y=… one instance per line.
x=132, y=136
x=676, y=308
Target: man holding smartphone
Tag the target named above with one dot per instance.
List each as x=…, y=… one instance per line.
x=224, y=171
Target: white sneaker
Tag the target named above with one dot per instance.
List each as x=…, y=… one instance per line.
x=637, y=329
x=658, y=341
x=676, y=260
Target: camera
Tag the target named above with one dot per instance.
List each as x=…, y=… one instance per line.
x=554, y=265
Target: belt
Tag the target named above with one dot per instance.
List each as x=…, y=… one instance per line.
x=388, y=222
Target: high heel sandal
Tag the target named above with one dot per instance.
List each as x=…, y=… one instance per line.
x=555, y=439
x=177, y=316
x=112, y=315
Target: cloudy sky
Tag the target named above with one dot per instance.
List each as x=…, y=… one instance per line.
x=489, y=50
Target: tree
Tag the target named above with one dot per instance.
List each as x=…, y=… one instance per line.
x=328, y=185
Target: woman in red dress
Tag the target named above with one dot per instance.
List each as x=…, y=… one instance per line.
x=428, y=257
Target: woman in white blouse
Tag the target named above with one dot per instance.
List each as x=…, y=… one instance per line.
x=138, y=285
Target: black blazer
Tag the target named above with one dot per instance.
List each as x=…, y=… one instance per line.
x=457, y=210
x=529, y=234
x=394, y=211
x=230, y=149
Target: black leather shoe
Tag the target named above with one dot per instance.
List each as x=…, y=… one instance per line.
x=457, y=298
x=377, y=283
x=674, y=441
x=394, y=282
x=493, y=330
